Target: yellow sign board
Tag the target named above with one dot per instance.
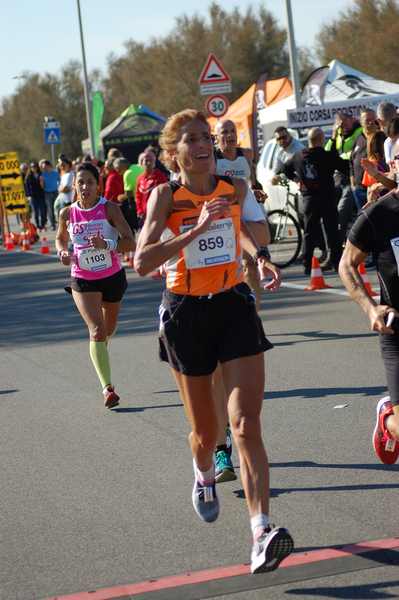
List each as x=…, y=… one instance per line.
x=11, y=184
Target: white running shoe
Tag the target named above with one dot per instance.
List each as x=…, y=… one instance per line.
x=205, y=500
x=270, y=549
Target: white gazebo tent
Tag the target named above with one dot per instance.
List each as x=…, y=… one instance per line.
x=328, y=90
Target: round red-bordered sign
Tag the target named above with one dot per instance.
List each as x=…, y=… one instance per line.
x=217, y=105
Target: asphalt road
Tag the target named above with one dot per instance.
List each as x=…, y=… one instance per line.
x=93, y=499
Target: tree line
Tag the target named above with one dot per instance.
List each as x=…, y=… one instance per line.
x=163, y=73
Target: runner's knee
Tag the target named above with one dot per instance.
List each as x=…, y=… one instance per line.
x=245, y=427
x=97, y=333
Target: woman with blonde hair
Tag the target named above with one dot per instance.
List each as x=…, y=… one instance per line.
x=208, y=316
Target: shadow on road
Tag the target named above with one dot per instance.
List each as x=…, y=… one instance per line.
x=299, y=464
x=325, y=392
x=324, y=336
x=135, y=409
x=276, y=492
x=369, y=591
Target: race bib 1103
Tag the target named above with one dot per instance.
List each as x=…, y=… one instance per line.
x=94, y=259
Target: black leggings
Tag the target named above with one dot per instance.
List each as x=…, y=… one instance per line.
x=129, y=212
x=389, y=345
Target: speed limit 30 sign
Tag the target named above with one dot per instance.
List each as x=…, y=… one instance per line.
x=217, y=105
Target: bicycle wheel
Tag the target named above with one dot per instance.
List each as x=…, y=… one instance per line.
x=286, y=238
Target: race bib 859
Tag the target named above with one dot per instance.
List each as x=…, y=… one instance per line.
x=216, y=246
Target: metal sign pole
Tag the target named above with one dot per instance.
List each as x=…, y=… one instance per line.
x=86, y=86
x=52, y=155
x=293, y=54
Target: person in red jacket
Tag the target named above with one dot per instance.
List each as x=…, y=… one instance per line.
x=146, y=182
x=114, y=190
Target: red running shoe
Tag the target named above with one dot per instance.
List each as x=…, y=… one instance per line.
x=111, y=398
x=385, y=446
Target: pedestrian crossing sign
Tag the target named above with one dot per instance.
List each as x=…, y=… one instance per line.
x=52, y=134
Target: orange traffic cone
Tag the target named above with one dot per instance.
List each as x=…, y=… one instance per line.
x=15, y=237
x=129, y=259
x=156, y=275
x=363, y=274
x=44, y=246
x=316, y=277
x=25, y=244
x=8, y=242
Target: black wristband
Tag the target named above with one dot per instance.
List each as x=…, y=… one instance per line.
x=263, y=252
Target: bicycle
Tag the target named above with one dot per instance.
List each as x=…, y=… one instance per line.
x=285, y=230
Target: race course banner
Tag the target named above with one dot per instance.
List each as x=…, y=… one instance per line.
x=11, y=184
x=315, y=116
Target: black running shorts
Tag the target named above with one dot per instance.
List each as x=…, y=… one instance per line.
x=198, y=332
x=112, y=288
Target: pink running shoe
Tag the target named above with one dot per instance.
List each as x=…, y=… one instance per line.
x=385, y=446
x=111, y=398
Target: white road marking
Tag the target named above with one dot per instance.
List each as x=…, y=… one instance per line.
x=336, y=291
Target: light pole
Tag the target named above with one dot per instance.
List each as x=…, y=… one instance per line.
x=86, y=85
x=293, y=54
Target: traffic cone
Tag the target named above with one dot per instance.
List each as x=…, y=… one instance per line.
x=25, y=244
x=129, y=259
x=8, y=243
x=156, y=275
x=363, y=274
x=15, y=237
x=316, y=277
x=44, y=246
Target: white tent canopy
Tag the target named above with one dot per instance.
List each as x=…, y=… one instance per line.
x=328, y=90
x=275, y=115
x=338, y=82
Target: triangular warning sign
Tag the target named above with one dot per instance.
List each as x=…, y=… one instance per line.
x=213, y=71
x=52, y=138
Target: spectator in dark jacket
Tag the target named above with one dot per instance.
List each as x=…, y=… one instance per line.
x=35, y=193
x=313, y=168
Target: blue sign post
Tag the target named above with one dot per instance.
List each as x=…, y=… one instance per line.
x=52, y=134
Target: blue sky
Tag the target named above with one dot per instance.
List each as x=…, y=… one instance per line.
x=42, y=36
